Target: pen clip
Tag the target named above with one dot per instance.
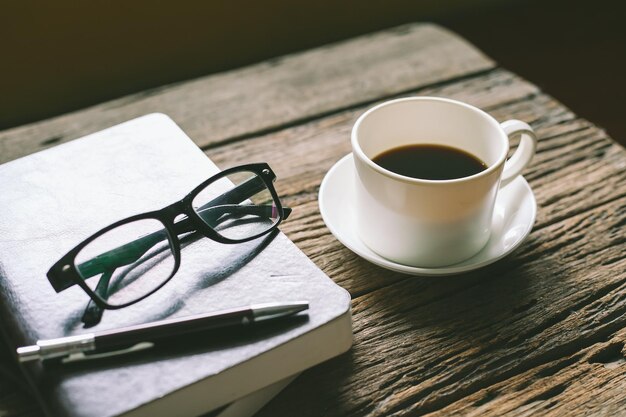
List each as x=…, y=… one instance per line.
x=81, y=356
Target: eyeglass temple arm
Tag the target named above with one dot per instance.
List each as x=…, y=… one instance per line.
x=213, y=215
x=132, y=251
x=120, y=256
x=93, y=313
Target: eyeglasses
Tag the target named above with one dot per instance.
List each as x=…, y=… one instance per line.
x=132, y=258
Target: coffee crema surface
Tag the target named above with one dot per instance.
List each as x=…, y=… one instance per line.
x=430, y=162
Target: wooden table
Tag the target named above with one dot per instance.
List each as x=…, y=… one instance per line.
x=540, y=332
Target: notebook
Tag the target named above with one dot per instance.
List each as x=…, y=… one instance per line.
x=54, y=199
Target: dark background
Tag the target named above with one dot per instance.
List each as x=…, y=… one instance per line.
x=63, y=55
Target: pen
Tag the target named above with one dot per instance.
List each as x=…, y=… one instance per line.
x=144, y=334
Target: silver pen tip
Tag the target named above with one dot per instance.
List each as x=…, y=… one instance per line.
x=275, y=310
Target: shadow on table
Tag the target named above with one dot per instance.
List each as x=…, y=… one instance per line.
x=406, y=330
x=487, y=309
x=478, y=308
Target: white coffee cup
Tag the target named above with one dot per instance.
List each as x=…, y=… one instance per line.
x=432, y=223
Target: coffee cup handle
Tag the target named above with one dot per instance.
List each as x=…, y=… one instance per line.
x=525, y=150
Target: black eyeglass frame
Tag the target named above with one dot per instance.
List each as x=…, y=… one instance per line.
x=64, y=273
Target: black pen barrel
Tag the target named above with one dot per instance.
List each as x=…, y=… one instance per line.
x=127, y=337
x=151, y=332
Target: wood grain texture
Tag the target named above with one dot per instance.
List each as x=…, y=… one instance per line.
x=451, y=339
x=541, y=332
x=272, y=94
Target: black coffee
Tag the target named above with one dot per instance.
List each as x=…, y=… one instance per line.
x=430, y=162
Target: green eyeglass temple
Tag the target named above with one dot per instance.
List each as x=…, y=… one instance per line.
x=211, y=212
x=132, y=251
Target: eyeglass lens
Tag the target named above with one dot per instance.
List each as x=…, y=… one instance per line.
x=127, y=262
x=249, y=215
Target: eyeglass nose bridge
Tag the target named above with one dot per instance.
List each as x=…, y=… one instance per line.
x=176, y=217
x=174, y=210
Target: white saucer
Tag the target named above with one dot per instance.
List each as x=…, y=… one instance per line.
x=513, y=219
